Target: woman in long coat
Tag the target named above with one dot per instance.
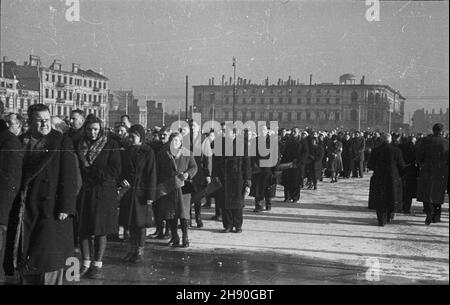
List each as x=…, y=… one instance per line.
x=385, y=194
x=100, y=166
x=139, y=176
x=334, y=158
x=175, y=163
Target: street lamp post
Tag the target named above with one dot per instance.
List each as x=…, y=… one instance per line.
x=234, y=88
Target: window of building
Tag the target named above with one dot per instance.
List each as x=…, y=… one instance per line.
x=280, y=116
x=354, y=97
x=53, y=93
x=212, y=97
x=299, y=100
x=338, y=91
x=244, y=100
x=280, y=100
x=95, y=98
x=70, y=81
x=70, y=95
x=371, y=98
x=377, y=98
x=308, y=101
x=289, y=100
x=289, y=116
x=271, y=100
x=226, y=115
x=227, y=100
x=65, y=79
x=47, y=77
x=47, y=93
x=104, y=85
x=328, y=100
x=59, y=94
x=199, y=97
x=59, y=78
x=58, y=110
x=90, y=83
x=65, y=95
x=262, y=100
x=84, y=97
x=95, y=84
x=318, y=91
x=299, y=116
x=270, y=116
x=318, y=100
x=85, y=83
x=253, y=100
x=90, y=98
x=53, y=78
x=252, y=115
x=337, y=116
x=354, y=115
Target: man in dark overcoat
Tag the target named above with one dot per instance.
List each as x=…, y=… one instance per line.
x=359, y=146
x=263, y=178
x=40, y=229
x=432, y=156
x=385, y=194
x=410, y=174
x=348, y=156
x=234, y=171
x=204, y=166
x=11, y=158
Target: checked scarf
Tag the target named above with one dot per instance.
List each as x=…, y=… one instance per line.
x=88, y=152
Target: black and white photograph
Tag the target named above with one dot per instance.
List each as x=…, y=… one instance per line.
x=224, y=149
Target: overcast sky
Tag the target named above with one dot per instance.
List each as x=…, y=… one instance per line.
x=150, y=46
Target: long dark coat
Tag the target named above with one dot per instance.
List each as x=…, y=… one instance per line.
x=11, y=158
x=37, y=242
x=234, y=173
x=411, y=171
x=432, y=156
x=348, y=155
x=174, y=205
x=386, y=183
x=296, y=150
x=359, y=146
x=139, y=169
x=204, y=164
x=97, y=206
x=263, y=178
x=316, y=156
x=335, y=157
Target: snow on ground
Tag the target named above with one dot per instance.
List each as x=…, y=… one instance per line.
x=334, y=223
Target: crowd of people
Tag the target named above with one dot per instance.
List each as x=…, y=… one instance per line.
x=66, y=186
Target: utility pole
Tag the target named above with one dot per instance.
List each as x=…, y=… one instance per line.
x=126, y=103
x=234, y=88
x=359, y=117
x=187, y=99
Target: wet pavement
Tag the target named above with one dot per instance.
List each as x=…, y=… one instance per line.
x=329, y=238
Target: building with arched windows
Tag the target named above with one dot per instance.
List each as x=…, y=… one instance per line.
x=346, y=105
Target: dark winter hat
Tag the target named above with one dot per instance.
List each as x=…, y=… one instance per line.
x=139, y=130
x=438, y=128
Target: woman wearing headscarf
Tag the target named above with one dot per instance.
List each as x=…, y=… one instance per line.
x=139, y=176
x=175, y=165
x=100, y=166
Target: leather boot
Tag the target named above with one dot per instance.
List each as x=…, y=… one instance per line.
x=167, y=231
x=184, y=230
x=175, y=240
x=198, y=216
x=130, y=252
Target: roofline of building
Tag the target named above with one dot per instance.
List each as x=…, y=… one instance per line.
x=84, y=73
x=305, y=85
